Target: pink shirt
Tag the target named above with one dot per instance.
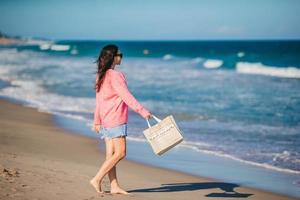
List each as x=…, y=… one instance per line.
x=113, y=99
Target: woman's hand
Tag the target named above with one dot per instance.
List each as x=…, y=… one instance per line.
x=96, y=128
x=148, y=116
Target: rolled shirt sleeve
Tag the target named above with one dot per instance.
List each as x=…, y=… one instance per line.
x=120, y=85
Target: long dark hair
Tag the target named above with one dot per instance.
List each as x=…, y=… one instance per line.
x=104, y=62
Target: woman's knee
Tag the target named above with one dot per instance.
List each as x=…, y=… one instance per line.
x=120, y=147
x=109, y=155
x=121, y=154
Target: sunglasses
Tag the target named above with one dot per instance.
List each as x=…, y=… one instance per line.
x=119, y=54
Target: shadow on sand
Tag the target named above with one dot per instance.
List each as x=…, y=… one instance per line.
x=228, y=189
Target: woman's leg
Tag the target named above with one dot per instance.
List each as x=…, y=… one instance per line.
x=109, y=152
x=112, y=174
x=119, y=153
x=114, y=185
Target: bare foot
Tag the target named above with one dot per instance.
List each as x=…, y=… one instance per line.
x=118, y=190
x=96, y=185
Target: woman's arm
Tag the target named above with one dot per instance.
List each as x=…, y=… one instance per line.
x=97, y=120
x=120, y=85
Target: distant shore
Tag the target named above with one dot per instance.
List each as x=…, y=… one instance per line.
x=5, y=40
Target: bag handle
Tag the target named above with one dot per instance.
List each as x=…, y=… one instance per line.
x=156, y=118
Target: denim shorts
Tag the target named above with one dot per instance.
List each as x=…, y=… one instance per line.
x=112, y=132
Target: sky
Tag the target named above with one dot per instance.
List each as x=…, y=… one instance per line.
x=151, y=19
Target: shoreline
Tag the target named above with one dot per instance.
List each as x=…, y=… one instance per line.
x=42, y=161
x=196, y=163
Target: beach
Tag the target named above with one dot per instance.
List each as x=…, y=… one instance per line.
x=42, y=161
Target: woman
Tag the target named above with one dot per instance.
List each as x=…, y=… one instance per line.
x=111, y=114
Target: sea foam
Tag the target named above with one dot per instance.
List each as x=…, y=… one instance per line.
x=212, y=64
x=259, y=68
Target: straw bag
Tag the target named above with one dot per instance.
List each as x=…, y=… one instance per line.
x=164, y=135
